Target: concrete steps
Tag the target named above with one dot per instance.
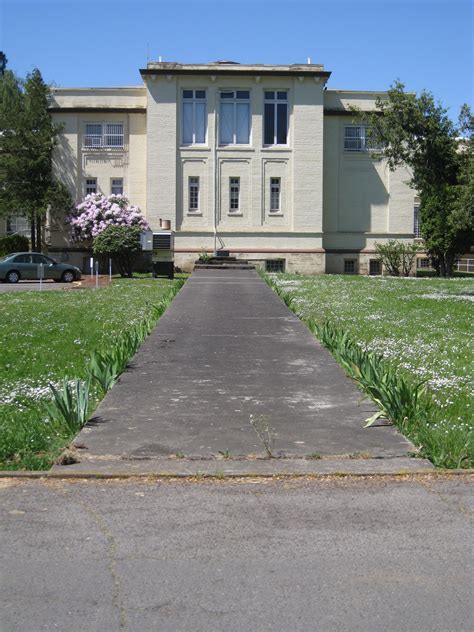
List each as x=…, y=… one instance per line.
x=223, y=262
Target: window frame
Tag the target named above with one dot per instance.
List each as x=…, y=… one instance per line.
x=191, y=184
x=86, y=185
x=275, y=101
x=275, y=265
x=350, y=261
x=104, y=133
x=237, y=210
x=416, y=222
x=235, y=100
x=194, y=100
x=377, y=264
x=17, y=224
x=271, y=209
x=112, y=186
x=423, y=263
x=362, y=139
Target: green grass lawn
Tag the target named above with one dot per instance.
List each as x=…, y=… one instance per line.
x=421, y=326
x=46, y=336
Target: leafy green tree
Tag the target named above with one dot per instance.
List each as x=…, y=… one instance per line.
x=27, y=139
x=122, y=244
x=416, y=131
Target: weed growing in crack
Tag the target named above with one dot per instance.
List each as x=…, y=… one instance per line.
x=266, y=434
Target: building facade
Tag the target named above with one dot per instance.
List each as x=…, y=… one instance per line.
x=264, y=161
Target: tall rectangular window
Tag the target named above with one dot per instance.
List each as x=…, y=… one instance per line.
x=109, y=135
x=416, y=222
x=116, y=186
x=234, y=127
x=193, y=190
x=275, y=194
x=91, y=186
x=234, y=195
x=194, y=117
x=275, y=118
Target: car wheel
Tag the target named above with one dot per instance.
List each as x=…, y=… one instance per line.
x=67, y=276
x=12, y=277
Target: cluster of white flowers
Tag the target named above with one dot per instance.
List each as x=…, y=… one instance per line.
x=98, y=211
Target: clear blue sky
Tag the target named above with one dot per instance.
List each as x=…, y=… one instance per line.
x=366, y=44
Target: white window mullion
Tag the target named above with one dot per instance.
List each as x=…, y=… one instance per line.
x=275, y=123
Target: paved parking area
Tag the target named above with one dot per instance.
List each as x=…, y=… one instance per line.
x=32, y=286
x=292, y=556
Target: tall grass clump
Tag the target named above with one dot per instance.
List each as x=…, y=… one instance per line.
x=74, y=402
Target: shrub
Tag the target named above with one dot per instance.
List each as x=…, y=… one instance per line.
x=13, y=243
x=122, y=244
x=98, y=211
x=396, y=257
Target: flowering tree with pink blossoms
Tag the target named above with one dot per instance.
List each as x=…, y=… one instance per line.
x=97, y=212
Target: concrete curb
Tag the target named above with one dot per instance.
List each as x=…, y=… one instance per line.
x=222, y=469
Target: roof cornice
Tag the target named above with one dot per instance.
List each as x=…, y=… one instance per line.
x=99, y=110
x=311, y=70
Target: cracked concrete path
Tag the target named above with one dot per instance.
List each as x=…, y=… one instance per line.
x=228, y=348
x=363, y=555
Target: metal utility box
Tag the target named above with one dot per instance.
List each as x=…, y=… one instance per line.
x=163, y=253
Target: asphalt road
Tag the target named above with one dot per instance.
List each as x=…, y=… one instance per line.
x=362, y=555
x=32, y=286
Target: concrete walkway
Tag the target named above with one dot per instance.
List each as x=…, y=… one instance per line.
x=228, y=348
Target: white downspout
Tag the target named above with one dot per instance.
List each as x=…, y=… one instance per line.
x=215, y=172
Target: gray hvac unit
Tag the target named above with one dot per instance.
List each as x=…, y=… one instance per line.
x=163, y=253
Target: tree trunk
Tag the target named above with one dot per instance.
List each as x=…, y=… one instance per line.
x=33, y=232
x=38, y=234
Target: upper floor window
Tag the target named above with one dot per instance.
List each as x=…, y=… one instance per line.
x=194, y=117
x=234, y=126
x=276, y=118
x=103, y=135
x=357, y=138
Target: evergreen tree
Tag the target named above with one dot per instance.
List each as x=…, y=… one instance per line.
x=27, y=139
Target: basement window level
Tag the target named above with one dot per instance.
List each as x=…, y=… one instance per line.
x=375, y=267
x=275, y=265
x=349, y=266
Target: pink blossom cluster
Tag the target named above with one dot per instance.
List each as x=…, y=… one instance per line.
x=98, y=211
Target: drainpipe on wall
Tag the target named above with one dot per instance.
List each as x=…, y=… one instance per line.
x=215, y=173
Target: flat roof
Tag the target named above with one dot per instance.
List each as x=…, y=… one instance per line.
x=233, y=68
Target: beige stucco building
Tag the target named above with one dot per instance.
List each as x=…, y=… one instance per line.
x=263, y=160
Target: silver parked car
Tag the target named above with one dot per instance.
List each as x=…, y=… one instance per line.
x=27, y=265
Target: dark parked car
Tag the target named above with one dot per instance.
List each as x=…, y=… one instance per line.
x=27, y=265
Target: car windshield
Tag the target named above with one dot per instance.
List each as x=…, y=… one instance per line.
x=5, y=257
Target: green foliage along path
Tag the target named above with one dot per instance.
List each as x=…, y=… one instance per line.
x=422, y=328
x=47, y=336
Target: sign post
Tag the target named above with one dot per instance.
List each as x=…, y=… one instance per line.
x=110, y=270
x=41, y=276
x=91, y=266
x=96, y=275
